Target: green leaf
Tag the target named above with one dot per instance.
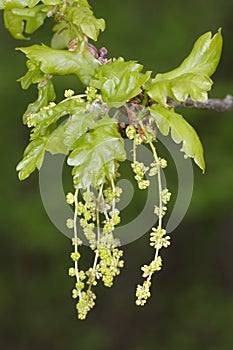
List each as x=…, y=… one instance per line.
x=192, y=77
x=62, y=36
x=14, y=24
x=46, y=94
x=64, y=138
x=33, y=75
x=52, y=2
x=67, y=134
x=51, y=114
x=77, y=125
x=58, y=139
x=83, y=18
x=55, y=143
x=80, y=119
x=119, y=81
x=18, y=20
x=10, y=4
x=33, y=157
x=63, y=62
x=181, y=131
x=34, y=17
x=95, y=154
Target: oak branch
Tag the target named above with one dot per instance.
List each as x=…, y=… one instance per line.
x=218, y=105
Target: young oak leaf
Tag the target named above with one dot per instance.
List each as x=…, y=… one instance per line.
x=33, y=157
x=119, y=81
x=63, y=62
x=64, y=137
x=95, y=154
x=55, y=143
x=46, y=94
x=56, y=139
x=17, y=20
x=63, y=34
x=6, y=4
x=82, y=16
x=181, y=131
x=192, y=77
x=33, y=75
x=50, y=114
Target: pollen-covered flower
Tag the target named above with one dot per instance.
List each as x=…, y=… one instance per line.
x=74, y=293
x=70, y=198
x=75, y=256
x=138, y=139
x=72, y=272
x=143, y=293
x=154, y=169
x=160, y=211
x=91, y=93
x=68, y=93
x=143, y=184
x=70, y=223
x=130, y=132
x=162, y=162
x=166, y=195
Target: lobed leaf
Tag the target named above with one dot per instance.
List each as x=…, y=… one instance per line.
x=192, y=77
x=51, y=114
x=65, y=136
x=77, y=125
x=33, y=75
x=62, y=36
x=82, y=16
x=95, y=154
x=55, y=143
x=14, y=24
x=17, y=20
x=46, y=94
x=181, y=131
x=51, y=2
x=10, y=4
x=63, y=62
x=33, y=157
x=47, y=136
x=119, y=81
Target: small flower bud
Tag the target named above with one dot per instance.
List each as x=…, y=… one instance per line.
x=70, y=223
x=75, y=256
x=68, y=93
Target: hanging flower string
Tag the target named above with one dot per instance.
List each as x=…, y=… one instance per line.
x=95, y=210
x=158, y=237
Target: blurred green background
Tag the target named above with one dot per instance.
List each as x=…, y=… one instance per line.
x=192, y=303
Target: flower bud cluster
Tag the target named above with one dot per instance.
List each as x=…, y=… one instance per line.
x=107, y=257
x=158, y=237
x=140, y=169
x=155, y=166
x=85, y=304
x=68, y=93
x=166, y=196
x=110, y=264
x=155, y=265
x=143, y=293
x=111, y=194
x=132, y=134
x=91, y=94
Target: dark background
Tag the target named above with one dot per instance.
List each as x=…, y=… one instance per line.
x=192, y=303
